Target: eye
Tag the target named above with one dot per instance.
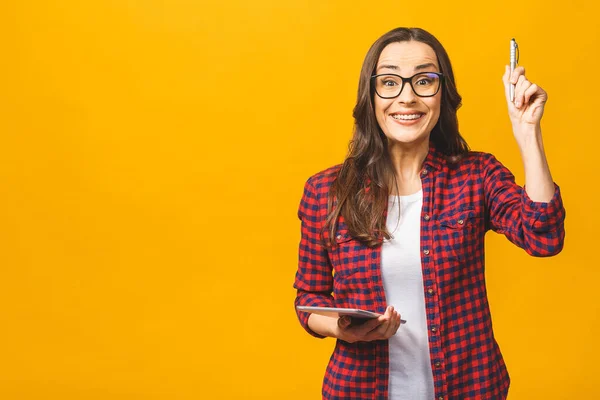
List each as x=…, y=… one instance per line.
x=426, y=79
x=389, y=83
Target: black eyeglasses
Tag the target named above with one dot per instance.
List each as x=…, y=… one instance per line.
x=423, y=84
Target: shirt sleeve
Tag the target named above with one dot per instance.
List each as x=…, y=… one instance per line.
x=314, y=279
x=536, y=227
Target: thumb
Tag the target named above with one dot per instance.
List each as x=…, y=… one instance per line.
x=344, y=321
x=506, y=81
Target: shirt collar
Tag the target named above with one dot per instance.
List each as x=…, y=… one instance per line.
x=434, y=158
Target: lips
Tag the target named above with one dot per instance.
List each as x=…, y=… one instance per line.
x=407, y=117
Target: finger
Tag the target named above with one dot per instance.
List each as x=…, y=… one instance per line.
x=387, y=316
x=392, y=327
x=381, y=329
x=531, y=90
x=514, y=77
x=506, y=76
x=397, y=322
x=384, y=320
x=521, y=86
x=388, y=330
x=369, y=326
x=344, y=322
x=505, y=80
x=521, y=81
x=509, y=79
x=379, y=332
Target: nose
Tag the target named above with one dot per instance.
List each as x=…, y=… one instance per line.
x=407, y=95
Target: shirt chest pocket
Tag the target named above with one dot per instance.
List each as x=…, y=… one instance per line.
x=348, y=255
x=457, y=237
x=351, y=263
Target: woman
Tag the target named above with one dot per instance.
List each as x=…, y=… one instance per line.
x=399, y=228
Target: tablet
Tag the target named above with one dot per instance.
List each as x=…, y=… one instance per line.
x=338, y=312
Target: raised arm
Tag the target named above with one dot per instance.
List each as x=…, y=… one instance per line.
x=531, y=217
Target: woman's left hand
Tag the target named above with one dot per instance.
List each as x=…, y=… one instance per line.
x=527, y=110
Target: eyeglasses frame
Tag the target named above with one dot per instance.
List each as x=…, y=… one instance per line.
x=409, y=80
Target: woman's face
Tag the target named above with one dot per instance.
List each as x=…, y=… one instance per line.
x=408, y=118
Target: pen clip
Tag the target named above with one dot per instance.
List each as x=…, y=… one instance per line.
x=517, y=51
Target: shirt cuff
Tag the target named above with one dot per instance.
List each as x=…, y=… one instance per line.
x=541, y=216
x=311, y=299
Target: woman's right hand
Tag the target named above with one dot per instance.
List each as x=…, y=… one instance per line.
x=380, y=328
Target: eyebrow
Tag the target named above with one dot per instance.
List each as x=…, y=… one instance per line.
x=417, y=68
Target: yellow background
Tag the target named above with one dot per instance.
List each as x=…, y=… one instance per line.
x=153, y=155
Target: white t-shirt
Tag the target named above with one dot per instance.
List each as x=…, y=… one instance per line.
x=410, y=366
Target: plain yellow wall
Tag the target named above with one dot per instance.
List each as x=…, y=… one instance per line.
x=153, y=155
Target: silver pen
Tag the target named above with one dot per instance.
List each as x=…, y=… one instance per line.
x=513, y=65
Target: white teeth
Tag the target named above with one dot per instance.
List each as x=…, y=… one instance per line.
x=407, y=116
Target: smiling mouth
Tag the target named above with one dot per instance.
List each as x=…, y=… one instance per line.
x=407, y=117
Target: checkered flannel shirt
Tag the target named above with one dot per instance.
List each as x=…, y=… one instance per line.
x=461, y=201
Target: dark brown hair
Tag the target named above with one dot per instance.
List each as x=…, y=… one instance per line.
x=361, y=189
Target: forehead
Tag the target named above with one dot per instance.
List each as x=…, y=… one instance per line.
x=406, y=56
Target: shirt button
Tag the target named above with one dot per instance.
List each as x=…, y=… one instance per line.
x=427, y=217
x=424, y=172
x=433, y=329
x=441, y=398
x=426, y=252
x=430, y=291
x=438, y=364
x=460, y=222
x=338, y=237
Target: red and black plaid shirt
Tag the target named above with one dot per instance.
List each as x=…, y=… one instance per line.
x=461, y=201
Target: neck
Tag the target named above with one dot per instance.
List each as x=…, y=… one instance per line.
x=407, y=160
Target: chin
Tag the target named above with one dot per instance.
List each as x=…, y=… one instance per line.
x=407, y=137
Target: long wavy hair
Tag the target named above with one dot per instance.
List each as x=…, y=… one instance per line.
x=361, y=189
